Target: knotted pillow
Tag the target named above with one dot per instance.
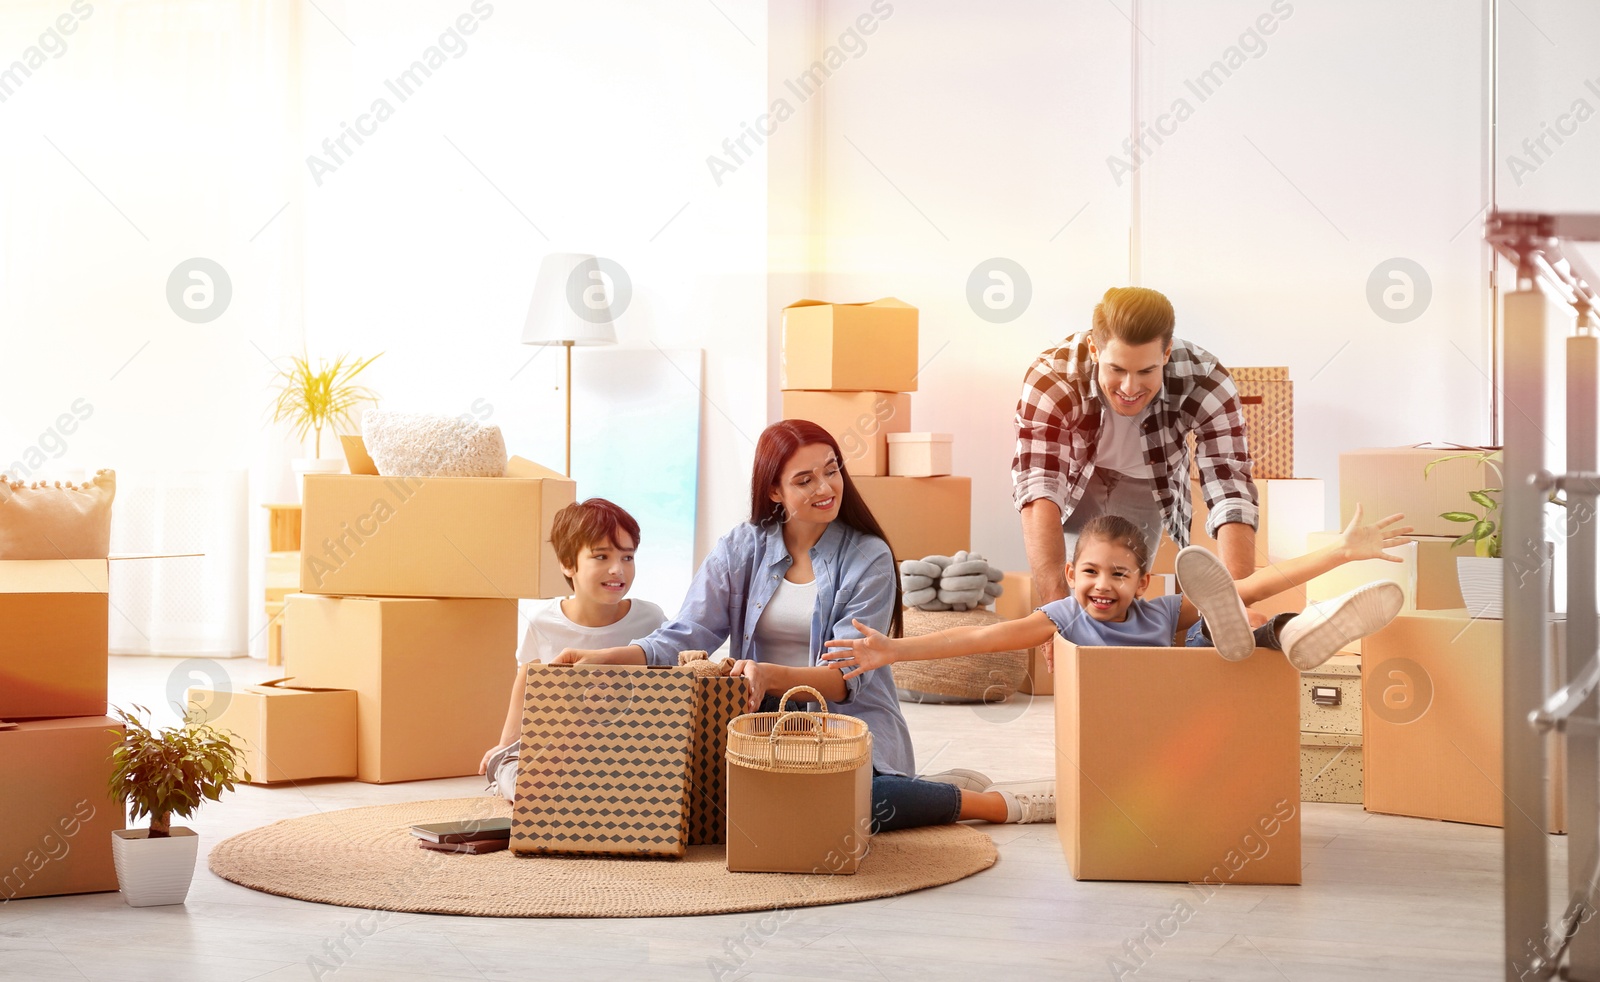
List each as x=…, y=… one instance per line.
x=964, y=581
x=424, y=445
x=44, y=521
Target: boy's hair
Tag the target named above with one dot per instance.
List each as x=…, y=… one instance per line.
x=595, y=521
x=1118, y=531
x=1133, y=315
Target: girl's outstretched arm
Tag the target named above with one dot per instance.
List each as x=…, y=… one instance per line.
x=876, y=650
x=1357, y=543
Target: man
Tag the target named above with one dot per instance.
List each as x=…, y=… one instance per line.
x=1103, y=427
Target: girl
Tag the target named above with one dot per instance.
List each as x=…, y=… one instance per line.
x=812, y=565
x=1109, y=573
x=594, y=542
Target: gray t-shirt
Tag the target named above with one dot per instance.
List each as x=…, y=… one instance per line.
x=1150, y=623
x=1120, y=446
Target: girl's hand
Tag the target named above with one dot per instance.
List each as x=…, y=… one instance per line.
x=873, y=650
x=758, y=675
x=1370, y=541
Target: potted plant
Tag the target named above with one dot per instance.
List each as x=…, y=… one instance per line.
x=310, y=399
x=162, y=773
x=1481, y=574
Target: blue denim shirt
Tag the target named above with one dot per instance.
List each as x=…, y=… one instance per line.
x=855, y=577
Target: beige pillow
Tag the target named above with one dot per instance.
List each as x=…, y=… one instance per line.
x=45, y=521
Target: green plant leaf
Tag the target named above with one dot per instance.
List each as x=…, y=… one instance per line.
x=1458, y=516
x=1482, y=498
x=1461, y=541
x=1482, y=530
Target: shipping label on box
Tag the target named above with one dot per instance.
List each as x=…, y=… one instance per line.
x=921, y=516
x=859, y=421
x=56, y=812
x=54, y=636
x=1138, y=797
x=1385, y=480
x=850, y=346
x=604, y=761
x=364, y=535
x=429, y=675
x=288, y=733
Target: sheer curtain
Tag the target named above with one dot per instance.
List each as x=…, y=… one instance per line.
x=144, y=134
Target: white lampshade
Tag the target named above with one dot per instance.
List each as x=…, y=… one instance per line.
x=569, y=303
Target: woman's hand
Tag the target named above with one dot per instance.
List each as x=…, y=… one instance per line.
x=1369, y=541
x=758, y=676
x=873, y=650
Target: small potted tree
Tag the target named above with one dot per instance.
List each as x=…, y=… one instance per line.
x=162, y=773
x=1481, y=574
x=311, y=399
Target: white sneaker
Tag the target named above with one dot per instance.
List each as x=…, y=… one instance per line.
x=1323, y=629
x=1028, y=802
x=960, y=777
x=1209, y=586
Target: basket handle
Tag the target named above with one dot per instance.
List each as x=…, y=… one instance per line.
x=802, y=688
x=817, y=730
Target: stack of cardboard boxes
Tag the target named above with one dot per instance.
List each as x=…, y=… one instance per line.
x=850, y=368
x=56, y=810
x=408, y=596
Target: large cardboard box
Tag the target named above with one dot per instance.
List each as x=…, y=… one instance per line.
x=922, y=516
x=1175, y=765
x=56, y=812
x=1437, y=586
x=365, y=535
x=430, y=676
x=1385, y=480
x=53, y=638
x=845, y=346
x=603, y=767
x=1432, y=710
x=798, y=823
x=290, y=733
x=1266, y=400
x=1017, y=600
x=1290, y=510
x=859, y=421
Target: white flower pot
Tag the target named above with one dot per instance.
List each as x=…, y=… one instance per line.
x=1482, y=585
x=154, y=872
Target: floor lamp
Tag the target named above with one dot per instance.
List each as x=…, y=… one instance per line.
x=570, y=307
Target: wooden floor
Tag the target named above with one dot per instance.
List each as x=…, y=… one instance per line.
x=1383, y=898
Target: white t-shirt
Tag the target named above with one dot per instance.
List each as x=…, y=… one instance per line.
x=549, y=630
x=783, y=631
x=1120, y=447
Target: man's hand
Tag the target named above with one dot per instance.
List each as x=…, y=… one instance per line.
x=1369, y=541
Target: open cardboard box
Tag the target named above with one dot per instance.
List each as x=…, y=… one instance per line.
x=53, y=637
x=1175, y=765
x=290, y=733
x=366, y=535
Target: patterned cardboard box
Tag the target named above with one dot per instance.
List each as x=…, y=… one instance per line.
x=1267, y=401
x=605, y=754
x=716, y=702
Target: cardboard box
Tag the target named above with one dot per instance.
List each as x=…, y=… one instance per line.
x=56, y=812
x=1175, y=765
x=1290, y=510
x=922, y=516
x=920, y=454
x=859, y=421
x=716, y=702
x=53, y=638
x=798, y=823
x=365, y=535
x=604, y=761
x=1385, y=480
x=1432, y=708
x=1266, y=400
x=290, y=733
x=1330, y=697
x=283, y=575
x=1017, y=597
x=1437, y=586
x=430, y=676
x=850, y=346
x=1331, y=767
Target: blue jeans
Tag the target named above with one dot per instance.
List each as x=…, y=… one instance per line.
x=907, y=803
x=1266, y=634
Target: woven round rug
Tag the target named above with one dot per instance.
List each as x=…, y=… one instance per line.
x=367, y=857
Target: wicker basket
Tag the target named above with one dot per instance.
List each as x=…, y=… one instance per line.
x=988, y=678
x=799, y=742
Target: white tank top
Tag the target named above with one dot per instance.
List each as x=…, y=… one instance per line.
x=783, y=631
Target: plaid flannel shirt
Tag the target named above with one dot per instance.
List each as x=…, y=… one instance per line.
x=1058, y=429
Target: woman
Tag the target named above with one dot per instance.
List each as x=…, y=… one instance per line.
x=811, y=561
